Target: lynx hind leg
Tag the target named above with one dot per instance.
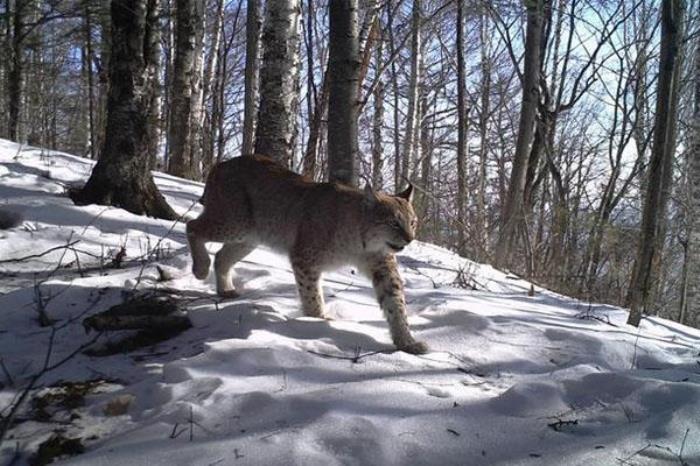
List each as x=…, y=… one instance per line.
x=226, y=258
x=309, y=284
x=389, y=290
x=197, y=241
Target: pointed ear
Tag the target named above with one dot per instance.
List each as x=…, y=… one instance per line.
x=370, y=196
x=407, y=193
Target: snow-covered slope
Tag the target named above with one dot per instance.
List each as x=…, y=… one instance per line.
x=511, y=379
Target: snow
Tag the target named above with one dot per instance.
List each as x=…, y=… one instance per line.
x=510, y=379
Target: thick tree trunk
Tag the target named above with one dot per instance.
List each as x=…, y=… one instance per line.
x=513, y=211
x=185, y=101
x=656, y=196
x=121, y=176
x=275, y=132
x=252, y=66
x=343, y=76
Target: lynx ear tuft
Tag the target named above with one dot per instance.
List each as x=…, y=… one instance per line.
x=370, y=196
x=407, y=193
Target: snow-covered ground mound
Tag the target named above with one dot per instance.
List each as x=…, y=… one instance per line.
x=510, y=379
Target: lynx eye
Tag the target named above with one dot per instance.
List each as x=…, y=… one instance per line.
x=396, y=225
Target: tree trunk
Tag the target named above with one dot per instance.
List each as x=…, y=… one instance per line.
x=656, y=196
x=408, y=156
x=208, y=85
x=461, y=134
x=275, y=131
x=252, y=65
x=15, y=77
x=315, y=125
x=485, y=101
x=185, y=101
x=121, y=176
x=152, y=39
x=378, y=122
x=513, y=211
x=395, y=91
x=90, y=84
x=343, y=76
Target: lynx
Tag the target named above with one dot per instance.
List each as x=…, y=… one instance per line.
x=252, y=200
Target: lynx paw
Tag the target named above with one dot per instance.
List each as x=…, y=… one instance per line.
x=200, y=268
x=414, y=347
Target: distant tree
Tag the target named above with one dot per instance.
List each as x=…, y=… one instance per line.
x=343, y=76
x=121, y=176
x=660, y=164
x=275, y=132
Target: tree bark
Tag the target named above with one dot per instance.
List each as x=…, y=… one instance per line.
x=656, y=196
x=275, y=131
x=185, y=101
x=343, y=76
x=121, y=176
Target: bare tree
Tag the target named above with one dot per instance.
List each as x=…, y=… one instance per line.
x=660, y=164
x=690, y=315
x=252, y=60
x=461, y=132
x=121, y=176
x=408, y=156
x=513, y=214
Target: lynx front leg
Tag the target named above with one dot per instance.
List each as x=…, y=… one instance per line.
x=227, y=256
x=309, y=284
x=389, y=290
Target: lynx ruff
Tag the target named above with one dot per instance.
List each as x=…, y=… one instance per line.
x=252, y=200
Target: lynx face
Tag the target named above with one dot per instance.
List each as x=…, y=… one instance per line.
x=392, y=221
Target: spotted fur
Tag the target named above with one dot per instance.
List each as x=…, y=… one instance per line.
x=252, y=200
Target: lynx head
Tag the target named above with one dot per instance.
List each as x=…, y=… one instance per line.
x=391, y=220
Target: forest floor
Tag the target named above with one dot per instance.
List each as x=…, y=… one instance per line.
x=510, y=379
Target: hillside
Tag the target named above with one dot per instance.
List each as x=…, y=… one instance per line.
x=510, y=379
